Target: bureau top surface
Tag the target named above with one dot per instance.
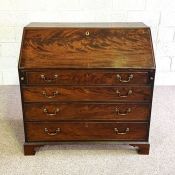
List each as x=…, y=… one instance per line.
x=86, y=45
x=90, y=24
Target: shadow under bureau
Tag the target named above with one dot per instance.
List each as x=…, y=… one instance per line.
x=86, y=82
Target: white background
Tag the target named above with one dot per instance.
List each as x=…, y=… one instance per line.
x=158, y=14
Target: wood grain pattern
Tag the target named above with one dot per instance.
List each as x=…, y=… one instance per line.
x=86, y=111
x=78, y=80
x=63, y=77
x=72, y=48
x=86, y=131
x=79, y=93
x=86, y=77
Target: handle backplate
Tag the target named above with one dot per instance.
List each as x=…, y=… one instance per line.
x=54, y=94
x=124, y=96
x=131, y=76
x=122, y=113
x=121, y=133
x=53, y=132
x=45, y=110
x=48, y=80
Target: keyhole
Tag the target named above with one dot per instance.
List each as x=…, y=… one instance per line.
x=87, y=33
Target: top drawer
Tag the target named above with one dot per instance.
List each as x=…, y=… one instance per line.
x=79, y=77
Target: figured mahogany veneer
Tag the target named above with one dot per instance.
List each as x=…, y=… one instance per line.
x=86, y=82
x=86, y=131
x=87, y=111
x=73, y=77
x=76, y=47
x=57, y=93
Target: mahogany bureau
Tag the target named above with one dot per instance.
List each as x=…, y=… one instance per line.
x=86, y=82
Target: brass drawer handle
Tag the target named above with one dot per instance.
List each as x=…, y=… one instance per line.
x=52, y=133
x=124, y=96
x=50, y=96
x=131, y=76
x=48, y=80
x=45, y=110
x=121, y=133
x=124, y=113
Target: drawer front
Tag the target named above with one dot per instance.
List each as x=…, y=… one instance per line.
x=118, y=78
x=78, y=111
x=87, y=77
x=57, y=77
x=53, y=93
x=86, y=131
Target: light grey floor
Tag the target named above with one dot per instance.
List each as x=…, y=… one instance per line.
x=88, y=159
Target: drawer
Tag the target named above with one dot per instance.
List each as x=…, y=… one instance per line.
x=62, y=131
x=79, y=93
x=87, y=111
x=80, y=77
x=118, y=78
x=57, y=77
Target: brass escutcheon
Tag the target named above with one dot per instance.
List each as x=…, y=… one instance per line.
x=87, y=33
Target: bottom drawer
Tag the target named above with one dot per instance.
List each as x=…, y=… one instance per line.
x=71, y=131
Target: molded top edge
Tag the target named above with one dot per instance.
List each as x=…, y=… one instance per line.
x=89, y=25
